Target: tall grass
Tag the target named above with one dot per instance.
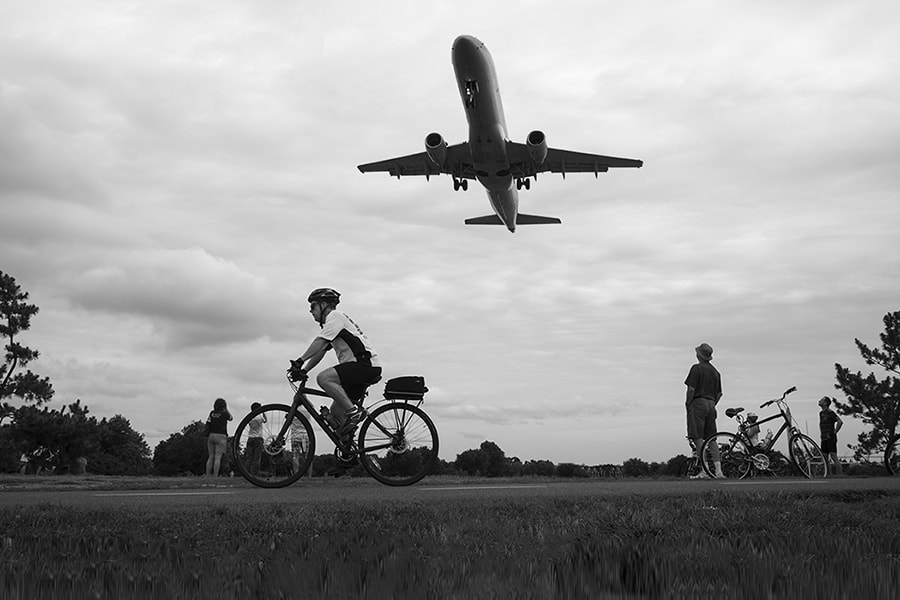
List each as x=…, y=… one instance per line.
x=713, y=545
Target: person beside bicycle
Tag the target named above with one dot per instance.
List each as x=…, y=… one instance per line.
x=704, y=390
x=829, y=425
x=255, y=439
x=358, y=366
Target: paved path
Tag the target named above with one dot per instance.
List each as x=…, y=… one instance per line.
x=235, y=492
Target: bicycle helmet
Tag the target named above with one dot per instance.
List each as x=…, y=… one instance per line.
x=324, y=295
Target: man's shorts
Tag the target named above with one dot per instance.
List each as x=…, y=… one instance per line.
x=829, y=445
x=701, y=418
x=356, y=378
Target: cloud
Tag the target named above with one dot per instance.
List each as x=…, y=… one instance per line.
x=190, y=297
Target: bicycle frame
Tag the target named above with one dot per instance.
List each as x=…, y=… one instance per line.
x=743, y=427
x=347, y=447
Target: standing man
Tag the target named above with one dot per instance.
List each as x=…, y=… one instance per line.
x=704, y=389
x=255, y=439
x=829, y=425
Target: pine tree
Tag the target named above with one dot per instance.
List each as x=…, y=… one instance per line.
x=876, y=401
x=15, y=317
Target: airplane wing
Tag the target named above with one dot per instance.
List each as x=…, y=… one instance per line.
x=564, y=161
x=457, y=163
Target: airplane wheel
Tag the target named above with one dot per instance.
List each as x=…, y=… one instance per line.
x=456, y=185
x=465, y=184
x=527, y=184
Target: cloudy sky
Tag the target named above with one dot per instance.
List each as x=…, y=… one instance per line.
x=175, y=179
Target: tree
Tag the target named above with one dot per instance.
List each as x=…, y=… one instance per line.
x=568, y=469
x=539, y=468
x=472, y=462
x=635, y=467
x=15, y=317
x=120, y=449
x=183, y=452
x=56, y=438
x=876, y=401
x=496, y=459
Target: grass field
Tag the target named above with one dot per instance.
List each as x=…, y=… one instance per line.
x=710, y=545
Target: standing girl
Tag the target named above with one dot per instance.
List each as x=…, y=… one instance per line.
x=217, y=422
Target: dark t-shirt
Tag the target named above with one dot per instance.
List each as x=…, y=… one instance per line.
x=705, y=380
x=218, y=422
x=827, y=421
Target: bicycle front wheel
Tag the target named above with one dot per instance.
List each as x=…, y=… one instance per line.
x=267, y=461
x=398, y=444
x=892, y=456
x=807, y=457
x=733, y=453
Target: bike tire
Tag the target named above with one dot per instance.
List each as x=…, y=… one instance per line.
x=807, y=457
x=398, y=444
x=734, y=453
x=279, y=465
x=892, y=456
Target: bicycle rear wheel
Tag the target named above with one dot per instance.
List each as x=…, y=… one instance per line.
x=892, y=456
x=267, y=461
x=733, y=452
x=807, y=457
x=398, y=444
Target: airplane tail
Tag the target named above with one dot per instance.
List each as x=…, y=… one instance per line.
x=521, y=219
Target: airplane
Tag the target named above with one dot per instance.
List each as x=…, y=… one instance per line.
x=503, y=167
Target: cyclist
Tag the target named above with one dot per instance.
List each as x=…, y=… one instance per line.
x=357, y=367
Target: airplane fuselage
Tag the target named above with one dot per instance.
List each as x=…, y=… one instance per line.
x=476, y=79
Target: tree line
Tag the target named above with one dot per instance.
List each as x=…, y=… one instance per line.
x=70, y=440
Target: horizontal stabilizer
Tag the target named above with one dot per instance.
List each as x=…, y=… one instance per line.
x=535, y=220
x=520, y=220
x=488, y=220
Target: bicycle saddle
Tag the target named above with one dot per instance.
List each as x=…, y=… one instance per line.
x=731, y=412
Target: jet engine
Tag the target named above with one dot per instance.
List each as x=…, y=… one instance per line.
x=537, y=146
x=436, y=148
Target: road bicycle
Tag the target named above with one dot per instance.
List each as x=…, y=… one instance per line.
x=740, y=457
x=397, y=441
x=892, y=455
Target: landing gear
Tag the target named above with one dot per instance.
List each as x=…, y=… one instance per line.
x=523, y=183
x=471, y=91
x=460, y=183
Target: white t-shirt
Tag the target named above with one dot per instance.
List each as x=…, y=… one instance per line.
x=347, y=338
x=255, y=426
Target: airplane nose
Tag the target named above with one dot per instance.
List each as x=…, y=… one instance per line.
x=465, y=45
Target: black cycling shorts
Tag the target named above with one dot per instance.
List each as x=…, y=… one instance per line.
x=356, y=378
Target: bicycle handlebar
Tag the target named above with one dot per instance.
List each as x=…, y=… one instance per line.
x=790, y=390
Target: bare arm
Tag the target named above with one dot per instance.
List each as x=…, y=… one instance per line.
x=316, y=351
x=689, y=396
